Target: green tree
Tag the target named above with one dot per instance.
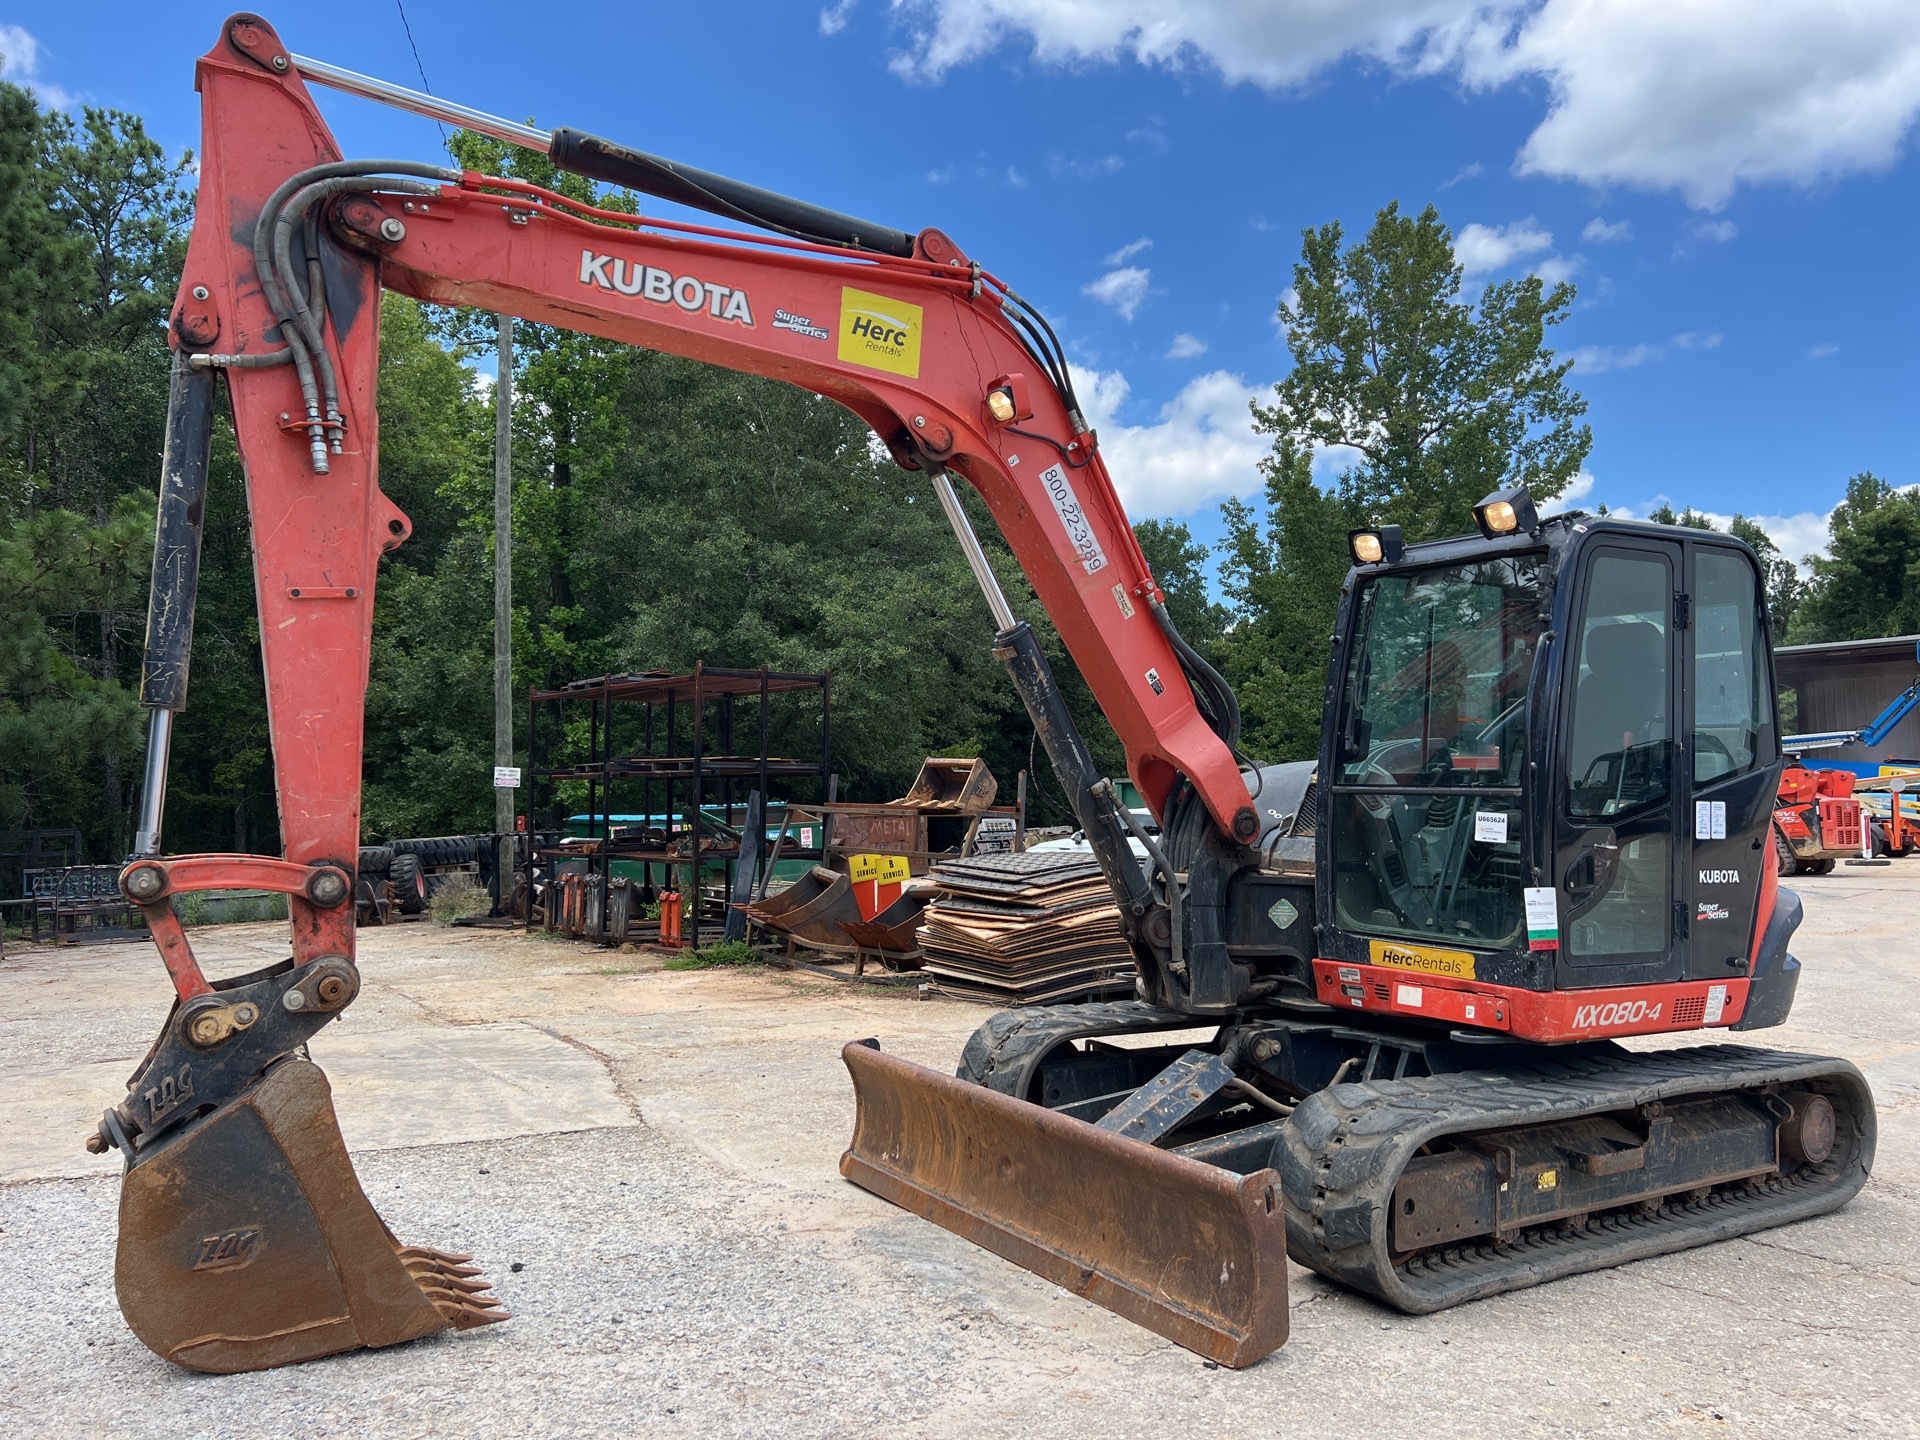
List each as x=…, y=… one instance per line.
x=47, y=274
x=1439, y=403
x=1781, y=575
x=429, y=731
x=62, y=723
x=1689, y=518
x=91, y=215
x=1868, y=584
x=1283, y=586
x=1433, y=400
x=1179, y=563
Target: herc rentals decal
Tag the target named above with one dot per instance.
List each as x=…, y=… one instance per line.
x=625, y=277
x=880, y=332
x=1427, y=958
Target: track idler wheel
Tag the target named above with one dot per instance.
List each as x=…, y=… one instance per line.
x=246, y=1241
x=1807, y=1133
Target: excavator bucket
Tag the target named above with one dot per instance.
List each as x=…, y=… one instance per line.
x=246, y=1241
x=811, y=910
x=1190, y=1251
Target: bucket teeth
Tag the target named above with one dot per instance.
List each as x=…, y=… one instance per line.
x=453, y=1285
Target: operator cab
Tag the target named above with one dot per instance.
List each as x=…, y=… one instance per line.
x=1551, y=754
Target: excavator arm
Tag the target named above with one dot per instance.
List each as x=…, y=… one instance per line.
x=245, y=1239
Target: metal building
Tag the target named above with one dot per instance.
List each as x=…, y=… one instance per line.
x=1843, y=685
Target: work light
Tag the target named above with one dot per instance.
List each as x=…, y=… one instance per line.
x=1374, y=545
x=1506, y=512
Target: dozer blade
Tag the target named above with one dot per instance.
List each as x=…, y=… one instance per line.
x=1190, y=1251
x=246, y=1241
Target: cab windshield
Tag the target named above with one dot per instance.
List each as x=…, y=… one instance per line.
x=1431, y=749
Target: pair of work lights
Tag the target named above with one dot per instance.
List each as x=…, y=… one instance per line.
x=1505, y=512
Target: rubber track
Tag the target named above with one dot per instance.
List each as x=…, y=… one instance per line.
x=1004, y=1054
x=1347, y=1146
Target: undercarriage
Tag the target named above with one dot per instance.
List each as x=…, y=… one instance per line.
x=1422, y=1167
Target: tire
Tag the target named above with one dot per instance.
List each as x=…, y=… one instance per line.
x=375, y=859
x=409, y=884
x=1789, y=862
x=1818, y=867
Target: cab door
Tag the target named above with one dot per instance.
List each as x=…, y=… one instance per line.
x=1616, y=859
x=1733, y=759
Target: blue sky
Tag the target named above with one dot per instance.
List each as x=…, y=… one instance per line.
x=1731, y=186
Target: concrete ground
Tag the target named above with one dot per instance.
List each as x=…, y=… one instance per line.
x=644, y=1163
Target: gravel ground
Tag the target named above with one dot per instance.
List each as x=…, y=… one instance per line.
x=698, y=1269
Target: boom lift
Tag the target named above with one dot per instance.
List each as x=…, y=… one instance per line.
x=1819, y=816
x=1530, y=830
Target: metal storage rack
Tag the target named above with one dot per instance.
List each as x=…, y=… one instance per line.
x=672, y=742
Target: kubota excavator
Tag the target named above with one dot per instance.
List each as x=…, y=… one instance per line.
x=1378, y=996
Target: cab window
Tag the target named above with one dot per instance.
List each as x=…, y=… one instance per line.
x=1622, y=728
x=1732, y=729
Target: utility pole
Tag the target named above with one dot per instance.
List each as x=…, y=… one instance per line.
x=504, y=796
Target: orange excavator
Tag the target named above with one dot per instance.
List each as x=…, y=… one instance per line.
x=1378, y=995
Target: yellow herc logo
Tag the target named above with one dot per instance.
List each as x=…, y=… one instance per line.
x=879, y=331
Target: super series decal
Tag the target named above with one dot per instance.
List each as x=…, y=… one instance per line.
x=689, y=292
x=799, y=325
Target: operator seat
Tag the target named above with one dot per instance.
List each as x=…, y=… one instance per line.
x=1622, y=699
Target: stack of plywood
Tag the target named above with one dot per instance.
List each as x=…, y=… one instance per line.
x=1025, y=929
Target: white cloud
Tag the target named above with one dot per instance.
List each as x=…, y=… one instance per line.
x=1124, y=289
x=1594, y=359
x=833, y=19
x=1290, y=298
x=1083, y=167
x=1200, y=448
x=1605, y=232
x=1484, y=248
x=1127, y=252
x=1577, y=490
x=20, y=64
x=1186, y=347
x=1151, y=135
x=1466, y=172
x=1556, y=268
x=1714, y=232
x=940, y=176
x=1796, y=536
x=1823, y=350
x=1698, y=96
x=1016, y=179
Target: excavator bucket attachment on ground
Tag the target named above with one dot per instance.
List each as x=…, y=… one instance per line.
x=811, y=909
x=1190, y=1251
x=246, y=1241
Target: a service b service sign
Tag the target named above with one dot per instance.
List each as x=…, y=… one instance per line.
x=880, y=332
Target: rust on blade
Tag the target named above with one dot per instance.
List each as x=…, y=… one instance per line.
x=1188, y=1250
x=246, y=1242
